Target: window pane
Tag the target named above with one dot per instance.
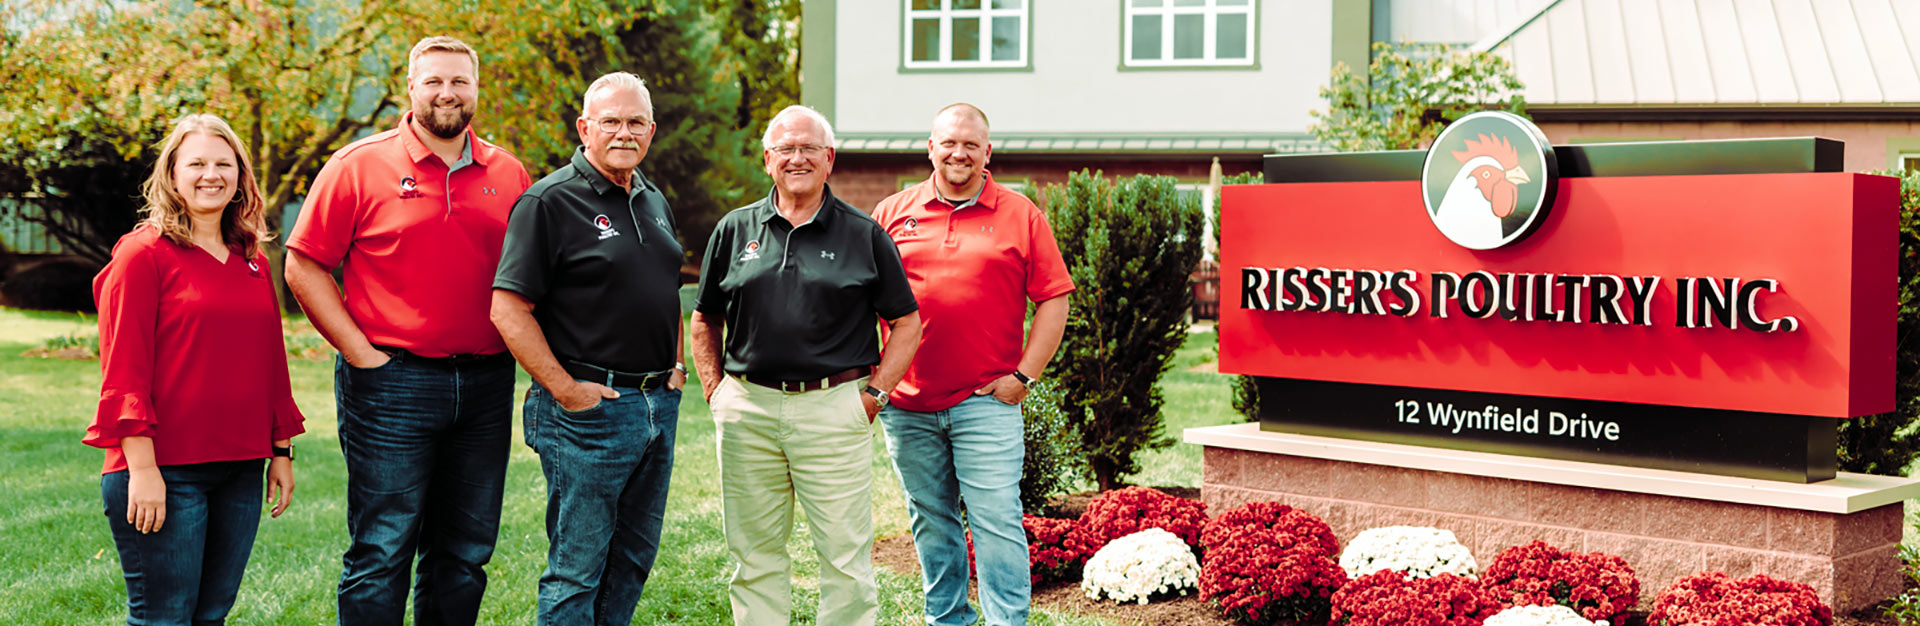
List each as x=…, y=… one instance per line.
x=926, y=5
x=1912, y=163
x=1189, y=36
x=1146, y=38
x=1189, y=3
x=1231, y=3
x=1006, y=4
x=926, y=40
x=966, y=4
x=1231, y=40
x=1141, y=4
x=1006, y=38
x=966, y=39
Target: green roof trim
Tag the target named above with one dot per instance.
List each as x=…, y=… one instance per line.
x=1061, y=143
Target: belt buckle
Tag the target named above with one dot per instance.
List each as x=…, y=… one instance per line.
x=793, y=386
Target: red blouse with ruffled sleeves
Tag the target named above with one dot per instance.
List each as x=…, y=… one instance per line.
x=191, y=354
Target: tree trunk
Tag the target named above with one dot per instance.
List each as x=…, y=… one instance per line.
x=1104, y=473
x=276, y=269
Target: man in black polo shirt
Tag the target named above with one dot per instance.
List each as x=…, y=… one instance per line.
x=587, y=299
x=797, y=281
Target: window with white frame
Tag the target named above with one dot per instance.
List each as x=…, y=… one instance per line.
x=1910, y=162
x=1161, y=33
x=966, y=34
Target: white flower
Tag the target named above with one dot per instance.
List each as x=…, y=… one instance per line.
x=1139, y=566
x=1555, y=615
x=1420, y=551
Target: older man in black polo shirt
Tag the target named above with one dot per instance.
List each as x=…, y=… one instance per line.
x=797, y=281
x=587, y=298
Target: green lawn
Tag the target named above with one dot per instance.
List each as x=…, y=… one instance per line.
x=59, y=566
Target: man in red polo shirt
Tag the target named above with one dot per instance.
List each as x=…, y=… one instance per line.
x=975, y=253
x=424, y=383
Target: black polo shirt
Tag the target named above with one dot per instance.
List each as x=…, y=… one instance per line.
x=800, y=302
x=601, y=267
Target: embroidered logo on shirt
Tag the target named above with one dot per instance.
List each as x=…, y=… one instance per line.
x=606, y=227
x=913, y=226
x=826, y=255
x=409, y=188
x=661, y=221
x=986, y=229
x=753, y=251
x=490, y=191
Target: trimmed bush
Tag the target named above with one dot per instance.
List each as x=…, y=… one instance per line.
x=1390, y=598
x=1053, y=458
x=1141, y=567
x=1123, y=512
x=1598, y=586
x=1716, y=599
x=1130, y=247
x=1420, y=551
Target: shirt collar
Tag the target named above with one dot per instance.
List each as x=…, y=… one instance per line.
x=473, y=152
x=930, y=194
x=770, y=211
x=601, y=185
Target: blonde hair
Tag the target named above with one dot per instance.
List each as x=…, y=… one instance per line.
x=243, y=224
x=441, y=43
x=617, y=81
x=820, y=121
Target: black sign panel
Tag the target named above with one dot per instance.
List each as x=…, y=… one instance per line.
x=1770, y=446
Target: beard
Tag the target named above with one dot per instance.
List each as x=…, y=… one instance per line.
x=959, y=175
x=444, y=124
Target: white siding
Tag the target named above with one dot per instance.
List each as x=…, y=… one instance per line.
x=1075, y=85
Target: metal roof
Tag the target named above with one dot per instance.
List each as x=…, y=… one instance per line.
x=1732, y=53
x=1040, y=143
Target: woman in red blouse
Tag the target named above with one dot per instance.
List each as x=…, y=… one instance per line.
x=194, y=391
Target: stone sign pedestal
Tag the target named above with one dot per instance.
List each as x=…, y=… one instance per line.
x=1841, y=536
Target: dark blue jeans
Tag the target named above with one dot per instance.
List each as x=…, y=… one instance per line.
x=189, y=571
x=607, y=470
x=426, y=450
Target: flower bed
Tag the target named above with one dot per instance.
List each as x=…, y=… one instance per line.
x=1598, y=586
x=1391, y=598
x=1275, y=517
x=1123, y=512
x=1267, y=562
x=1716, y=599
x=1555, y=615
x=1141, y=566
x=1420, y=551
x=1052, y=550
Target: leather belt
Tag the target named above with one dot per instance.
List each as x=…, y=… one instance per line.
x=815, y=384
x=616, y=378
x=451, y=359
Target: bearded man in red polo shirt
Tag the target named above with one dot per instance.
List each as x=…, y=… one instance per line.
x=424, y=384
x=975, y=253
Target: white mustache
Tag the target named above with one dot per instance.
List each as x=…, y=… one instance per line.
x=630, y=145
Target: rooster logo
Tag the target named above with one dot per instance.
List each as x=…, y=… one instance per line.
x=1478, y=186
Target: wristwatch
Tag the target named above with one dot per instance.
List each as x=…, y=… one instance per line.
x=681, y=367
x=879, y=397
x=1023, y=378
x=286, y=452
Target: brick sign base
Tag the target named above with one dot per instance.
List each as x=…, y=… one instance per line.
x=1851, y=559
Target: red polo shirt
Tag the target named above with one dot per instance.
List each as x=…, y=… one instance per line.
x=973, y=271
x=420, y=240
x=191, y=354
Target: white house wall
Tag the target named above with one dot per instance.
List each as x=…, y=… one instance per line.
x=1076, y=84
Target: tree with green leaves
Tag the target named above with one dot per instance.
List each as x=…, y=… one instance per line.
x=1130, y=247
x=1408, y=93
x=1888, y=443
x=298, y=79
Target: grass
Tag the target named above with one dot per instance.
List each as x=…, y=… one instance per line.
x=60, y=567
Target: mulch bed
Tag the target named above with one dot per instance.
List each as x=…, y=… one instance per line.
x=896, y=554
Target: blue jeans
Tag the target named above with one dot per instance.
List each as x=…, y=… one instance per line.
x=970, y=452
x=426, y=450
x=189, y=571
x=607, y=469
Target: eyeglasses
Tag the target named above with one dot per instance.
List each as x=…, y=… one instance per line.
x=802, y=150
x=636, y=125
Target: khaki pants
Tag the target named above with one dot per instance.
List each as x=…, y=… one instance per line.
x=817, y=446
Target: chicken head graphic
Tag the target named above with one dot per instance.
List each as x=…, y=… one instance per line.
x=1486, y=190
